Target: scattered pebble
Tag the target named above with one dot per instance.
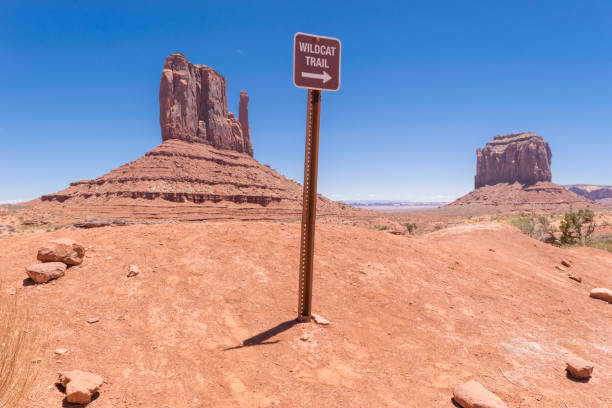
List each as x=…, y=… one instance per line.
x=306, y=337
x=565, y=263
x=108, y=258
x=473, y=395
x=133, y=271
x=61, y=351
x=560, y=268
x=320, y=320
x=602, y=294
x=92, y=320
x=576, y=278
x=578, y=367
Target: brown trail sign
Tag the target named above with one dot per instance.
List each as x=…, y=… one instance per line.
x=316, y=66
x=316, y=62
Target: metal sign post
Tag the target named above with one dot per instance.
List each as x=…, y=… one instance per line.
x=309, y=208
x=316, y=66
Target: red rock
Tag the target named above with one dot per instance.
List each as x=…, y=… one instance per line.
x=203, y=164
x=523, y=157
x=513, y=173
x=243, y=118
x=565, y=263
x=602, y=294
x=193, y=107
x=473, y=395
x=578, y=367
x=44, y=272
x=62, y=250
x=133, y=271
x=80, y=385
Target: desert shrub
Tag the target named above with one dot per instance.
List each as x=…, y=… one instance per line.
x=577, y=227
x=19, y=342
x=534, y=225
x=411, y=227
x=603, y=241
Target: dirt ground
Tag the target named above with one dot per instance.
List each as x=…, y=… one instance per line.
x=209, y=321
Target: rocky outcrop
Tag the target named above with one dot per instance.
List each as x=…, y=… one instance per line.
x=243, y=118
x=513, y=173
x=193, y=107
x=600, y=194
x=518, y=157
x=204, y=168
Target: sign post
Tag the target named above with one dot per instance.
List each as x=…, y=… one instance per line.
x=316, y=66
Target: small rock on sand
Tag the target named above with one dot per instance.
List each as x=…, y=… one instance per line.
x=44, y=272
x=62, y=250
x=602, y=294
x=92, y=320
x=560, y=268
x=61, y=351
x=473, y=395
x=578, y=367
x=320, y=320
x=133, y=271
x=565, y=263
x=80, y=385
x=576, y=278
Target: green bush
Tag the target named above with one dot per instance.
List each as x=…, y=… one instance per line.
x=534, y=225
x=577, y=227
x=411, y=227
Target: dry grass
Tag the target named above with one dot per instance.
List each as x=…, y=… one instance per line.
x=19, y=342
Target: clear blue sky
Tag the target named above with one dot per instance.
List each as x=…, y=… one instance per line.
x=424, y=83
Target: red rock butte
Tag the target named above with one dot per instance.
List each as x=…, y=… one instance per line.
x=204, y=168
x=517, y=157
x=513, y=173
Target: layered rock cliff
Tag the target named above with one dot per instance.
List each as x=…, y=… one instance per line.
x=599, y=194
x=193, y=107
x=203, y=169
x=517, y=157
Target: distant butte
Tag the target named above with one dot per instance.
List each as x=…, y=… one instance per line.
x=204, y=168
x=513, y=173
x=518, y=157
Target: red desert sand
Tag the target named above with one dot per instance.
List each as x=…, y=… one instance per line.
x=210, y=318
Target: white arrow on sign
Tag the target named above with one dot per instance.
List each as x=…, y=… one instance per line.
x=324, y=76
